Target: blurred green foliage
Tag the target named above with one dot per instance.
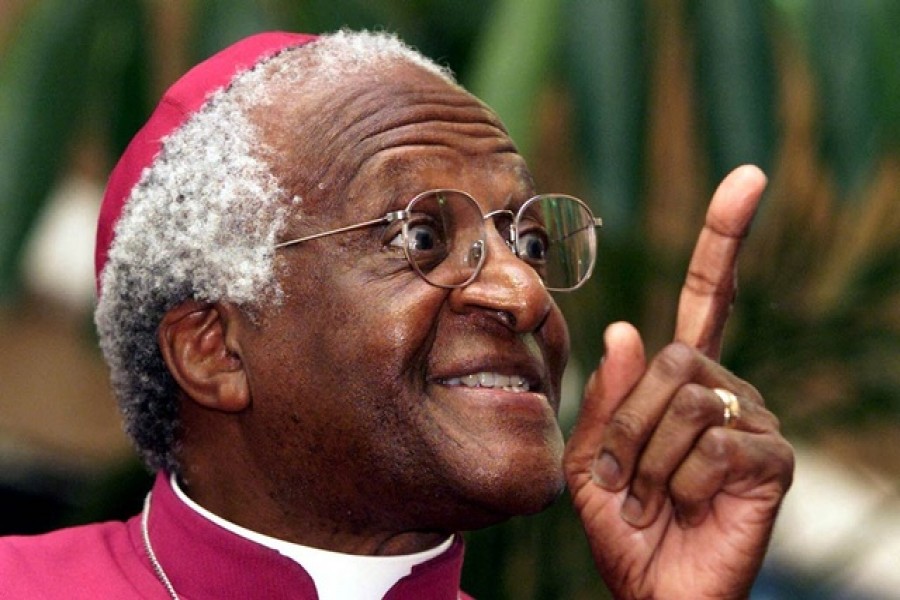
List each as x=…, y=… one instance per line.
x=637, y=106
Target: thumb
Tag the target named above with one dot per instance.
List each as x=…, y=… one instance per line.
x=622, y=366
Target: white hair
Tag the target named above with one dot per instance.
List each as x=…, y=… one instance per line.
x=201, y=224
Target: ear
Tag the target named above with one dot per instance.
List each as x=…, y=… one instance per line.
x=199, y=345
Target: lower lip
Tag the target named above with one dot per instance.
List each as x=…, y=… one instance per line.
x=519, y=402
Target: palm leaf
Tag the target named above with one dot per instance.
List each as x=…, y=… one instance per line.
x=43, y=93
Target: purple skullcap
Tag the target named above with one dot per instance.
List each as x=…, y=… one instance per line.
x=184, y=98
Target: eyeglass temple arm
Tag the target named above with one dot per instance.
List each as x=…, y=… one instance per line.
x=598, y=222
x=388, y=218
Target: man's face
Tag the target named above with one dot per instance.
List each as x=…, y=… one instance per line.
x=358, y=409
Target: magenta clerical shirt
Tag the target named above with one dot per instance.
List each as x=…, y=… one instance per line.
x=202, y=560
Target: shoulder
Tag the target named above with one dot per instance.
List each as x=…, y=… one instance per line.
x=94, y=560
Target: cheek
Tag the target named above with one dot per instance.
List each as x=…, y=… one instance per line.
x=555, y=339
x=349, y=361
x=369, y=337
x=386, y=329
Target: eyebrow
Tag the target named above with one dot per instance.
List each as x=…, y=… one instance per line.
x=401, y=172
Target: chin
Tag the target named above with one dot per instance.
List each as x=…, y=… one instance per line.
x=517, y=502
x=519, y=486
x=491, y=461
x=534, y=494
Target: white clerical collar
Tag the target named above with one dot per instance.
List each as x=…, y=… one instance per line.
x=337, y=576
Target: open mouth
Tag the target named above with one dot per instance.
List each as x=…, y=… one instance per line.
x=488, y=379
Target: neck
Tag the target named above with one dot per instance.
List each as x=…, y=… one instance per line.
x=251, y=509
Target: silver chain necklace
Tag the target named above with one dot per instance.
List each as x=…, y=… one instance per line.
x=145, y=531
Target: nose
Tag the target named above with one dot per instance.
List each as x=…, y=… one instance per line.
x=506, y=287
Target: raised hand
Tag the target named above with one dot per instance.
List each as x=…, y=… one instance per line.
x=675, y=504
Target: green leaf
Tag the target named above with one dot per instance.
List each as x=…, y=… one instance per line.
x=220, y=23
x=511, y=62
x=887, y=67
x=736, y=82
x=119, y=86
x=605, y=61
x=440, y=29
x=321, y=16
x=843, y=55
x=42, y=78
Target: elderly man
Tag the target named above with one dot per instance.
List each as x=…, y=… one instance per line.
x=324, y=278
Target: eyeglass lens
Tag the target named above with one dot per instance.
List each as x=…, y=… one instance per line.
x=555, y=234
x=445, y=238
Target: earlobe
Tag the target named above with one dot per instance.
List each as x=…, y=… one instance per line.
x=199, y=345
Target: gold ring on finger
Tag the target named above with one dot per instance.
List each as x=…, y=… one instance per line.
x=732, y=407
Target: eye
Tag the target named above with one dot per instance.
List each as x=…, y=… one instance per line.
x=426, y=243
x=533, y=245
x=421, y=234
x=422, y=237
x=394, y=236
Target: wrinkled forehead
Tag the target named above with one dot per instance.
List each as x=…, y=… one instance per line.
x=378, y=127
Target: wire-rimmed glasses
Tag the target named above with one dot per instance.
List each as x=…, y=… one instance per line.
x=443, y=236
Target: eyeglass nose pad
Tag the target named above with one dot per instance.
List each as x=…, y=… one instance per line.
x=476, y=253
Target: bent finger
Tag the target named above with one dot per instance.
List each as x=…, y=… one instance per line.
x=694, y=409
x=758, y=466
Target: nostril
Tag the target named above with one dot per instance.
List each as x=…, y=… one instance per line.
x=507, y=318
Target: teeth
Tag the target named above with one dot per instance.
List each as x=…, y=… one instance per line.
x=511, y=383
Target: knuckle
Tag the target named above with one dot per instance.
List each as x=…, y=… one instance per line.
x=676, y=360
x=684, y=494
x=692, y=404
x=774, y=421
x=704, y=283
x=760, y=419
x=749, y=391
x=651, y=477
x=716, y=444
x=626, y=427
x=785, y=457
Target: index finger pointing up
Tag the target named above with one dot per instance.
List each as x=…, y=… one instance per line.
x=711, y=282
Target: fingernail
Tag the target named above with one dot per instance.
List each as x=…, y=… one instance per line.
x=605, y=470
x=632, y=511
